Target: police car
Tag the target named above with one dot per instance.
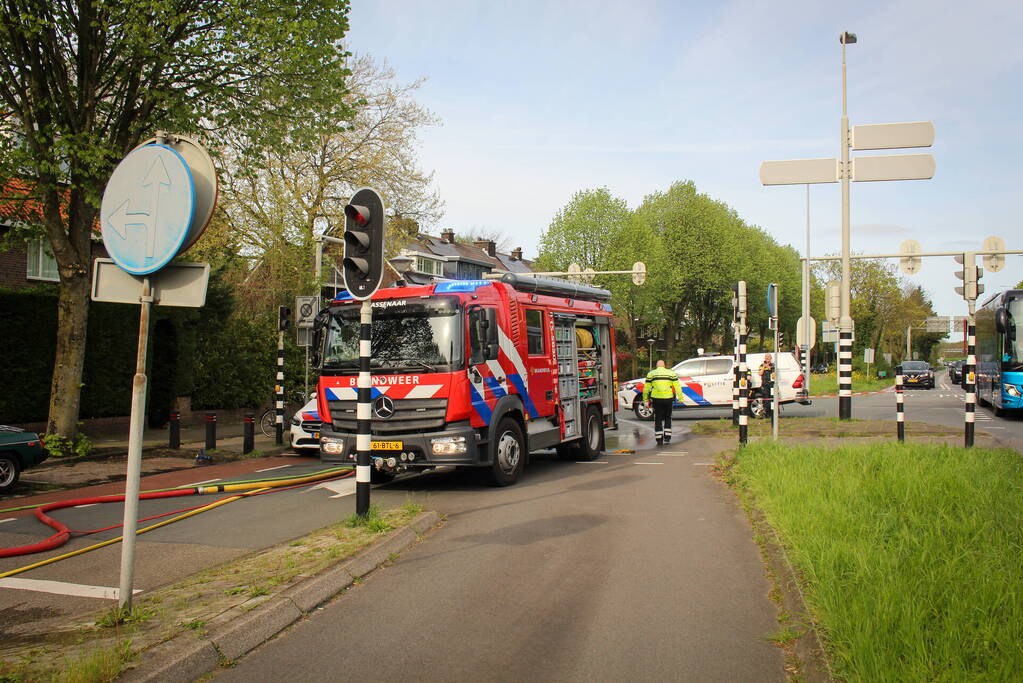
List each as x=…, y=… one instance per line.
x=305, y=428
x=707, y=383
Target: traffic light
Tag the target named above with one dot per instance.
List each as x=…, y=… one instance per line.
x=970, y=274
x=363, y=264
x=283, y=318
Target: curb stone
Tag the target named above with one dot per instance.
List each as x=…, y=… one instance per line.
x=185, y=658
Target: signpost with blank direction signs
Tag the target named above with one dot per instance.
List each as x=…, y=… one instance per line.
x=156, y=204
x=862, y=169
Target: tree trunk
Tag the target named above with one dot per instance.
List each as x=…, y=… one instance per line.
x=66, y=386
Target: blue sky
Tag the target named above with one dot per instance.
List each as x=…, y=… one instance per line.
x=541, y=99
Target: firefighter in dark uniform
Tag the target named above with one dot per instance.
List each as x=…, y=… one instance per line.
x=661, y=389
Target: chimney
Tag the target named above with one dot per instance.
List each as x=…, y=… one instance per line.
x=516, y=254
x=447, y=235
x=488, y=246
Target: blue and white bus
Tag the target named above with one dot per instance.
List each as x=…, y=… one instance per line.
x=1000, y=352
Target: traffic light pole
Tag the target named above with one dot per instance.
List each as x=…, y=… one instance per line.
x=279, y=408
x=363, y=442
x=970, y=376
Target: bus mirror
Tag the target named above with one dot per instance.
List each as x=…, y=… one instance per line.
x=1002, y=320
x=898, y=369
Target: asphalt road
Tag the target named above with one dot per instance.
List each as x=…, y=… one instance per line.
x=634, y=567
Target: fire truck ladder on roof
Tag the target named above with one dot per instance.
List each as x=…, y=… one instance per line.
x=554, y=287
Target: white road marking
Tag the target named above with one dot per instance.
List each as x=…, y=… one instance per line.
x=267, y=469
x=208, y=481
x=63, y=588
x=77, y=507
x=340, y=488
x=648, y=463
x=9, y=519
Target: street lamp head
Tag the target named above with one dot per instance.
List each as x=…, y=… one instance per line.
x=402, y=263
x=847, y=38
x=650, y=341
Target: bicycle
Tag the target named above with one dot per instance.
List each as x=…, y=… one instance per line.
x=268, y=418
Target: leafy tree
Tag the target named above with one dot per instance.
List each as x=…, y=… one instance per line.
x=582, y=232
x=85, y=81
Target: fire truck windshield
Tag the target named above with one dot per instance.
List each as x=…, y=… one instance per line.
x=408, y=336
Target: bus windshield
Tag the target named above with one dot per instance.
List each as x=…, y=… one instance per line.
x=1012, y=358
x=408, y=336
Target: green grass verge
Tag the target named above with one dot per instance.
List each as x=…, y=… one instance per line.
x=912, y=555
x=825, y=385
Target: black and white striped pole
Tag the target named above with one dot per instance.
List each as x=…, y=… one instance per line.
x=283, y=321
x=735, y=354
x=900, y=415
x=970, y=377
x=363, y=267
x=363, y=418
x=743, y=370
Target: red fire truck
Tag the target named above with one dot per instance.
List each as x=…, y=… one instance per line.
x=472, y=373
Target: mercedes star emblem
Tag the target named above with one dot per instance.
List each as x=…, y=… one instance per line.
x=384, y=407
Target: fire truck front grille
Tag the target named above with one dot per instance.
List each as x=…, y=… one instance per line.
x=410, y=415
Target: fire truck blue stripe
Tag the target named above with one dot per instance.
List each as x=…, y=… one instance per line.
x=479, y=405
x=696, y=398
x=520, y=387
x=495, y=386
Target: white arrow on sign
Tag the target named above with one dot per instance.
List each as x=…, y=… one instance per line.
x=893, y=167
x=799, y=171
x=122, y=217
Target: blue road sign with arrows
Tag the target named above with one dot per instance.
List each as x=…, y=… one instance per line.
x=147, y=209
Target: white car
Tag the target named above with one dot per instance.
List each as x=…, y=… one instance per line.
x=305, y=428
x=707, y=383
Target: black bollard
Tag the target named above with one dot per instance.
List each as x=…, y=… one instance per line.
x=211, y=431
x=175, y=429
x=249, y=434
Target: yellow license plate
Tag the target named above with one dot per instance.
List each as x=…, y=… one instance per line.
x=386, y=445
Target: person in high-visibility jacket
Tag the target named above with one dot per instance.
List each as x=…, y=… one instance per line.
x=661, y=389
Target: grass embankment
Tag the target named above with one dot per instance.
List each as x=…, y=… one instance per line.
x=826, y=385
x=824, y=427
x=98, y=650
x=911, y=555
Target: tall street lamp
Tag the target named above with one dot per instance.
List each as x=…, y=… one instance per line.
x=650, y=352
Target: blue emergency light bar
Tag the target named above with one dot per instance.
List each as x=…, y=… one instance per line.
x=459, y=286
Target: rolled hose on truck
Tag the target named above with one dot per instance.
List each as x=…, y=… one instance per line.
x=248, y=488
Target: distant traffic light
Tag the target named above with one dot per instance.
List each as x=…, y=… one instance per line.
x=283, y=318
x=970, y=275
x=363, y=264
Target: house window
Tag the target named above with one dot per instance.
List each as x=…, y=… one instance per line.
x=429, y=266
x=41, y=264
x=469, y=271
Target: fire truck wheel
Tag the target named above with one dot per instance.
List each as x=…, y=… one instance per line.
x=507, y=453
x=642, y=410
x=592, y=443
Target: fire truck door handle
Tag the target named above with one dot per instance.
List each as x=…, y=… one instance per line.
x=499, y=379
